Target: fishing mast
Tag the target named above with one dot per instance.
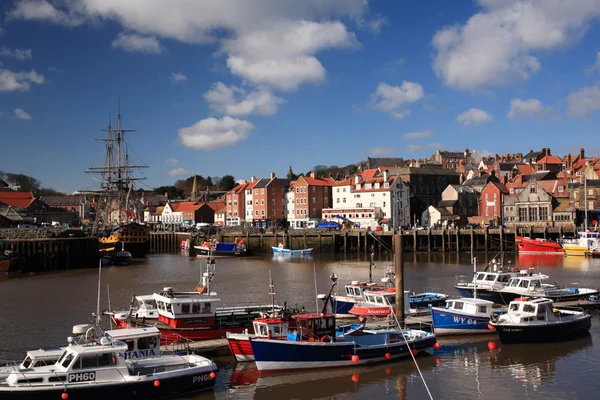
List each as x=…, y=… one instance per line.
x=116, y=181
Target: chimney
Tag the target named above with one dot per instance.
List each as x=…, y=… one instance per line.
x=272, y=175
x=568, y=161
x=252, y=178
x=356, y=179
x=581, y=153
x=385, y=175
x=312, y=175
x=520, y=156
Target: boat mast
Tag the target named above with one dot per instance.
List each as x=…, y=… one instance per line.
x=585, y=200
x=475, y=277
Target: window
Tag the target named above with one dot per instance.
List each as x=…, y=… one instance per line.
x=314, y=200
x=532, y=189
x=325, y=189
x=314, y=189
x=149, y=342
x=458, y=305
x=273, y=213
x=273, y=202
x=273, y=190
x=256, y=213
x=494, y=196
x=326, y=200
x=337, y=190
x=482, y=310
x=262, y=213
x=561, y=188
x=185, y=308
x=337, y=200
x=262, y=202
x=486, y=198
x=543, y=214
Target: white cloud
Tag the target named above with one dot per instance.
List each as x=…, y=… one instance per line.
x=19, y=54
x=411, y=148
x=416, y=135
x=268, y=42
x=20, y=114
x=212, y=133
x=179, y=172
x=474, y=117
x=375, y=25
x=42, y=10
x=233, y=100
x=381, y=151
x=595, y=66
x=390, y=98
x=19, y=81
x=523, y=109
x=498, y=45
x=177, y=77
x=171, y=161
x=132, y=42
x=584, y=102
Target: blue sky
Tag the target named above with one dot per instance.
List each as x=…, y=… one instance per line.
x=244, y=88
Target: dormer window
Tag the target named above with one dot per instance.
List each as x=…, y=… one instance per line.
x=386, y=185
x=377, y=185
x=358, y=187
x=367, y=186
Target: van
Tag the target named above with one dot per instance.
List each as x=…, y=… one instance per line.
x=311, y=224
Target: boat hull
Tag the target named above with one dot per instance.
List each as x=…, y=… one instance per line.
x=205, y=252
x=284, y=355
x=300, y=252
x=143, y=389
x=448, y=323
x=575, y=250
x=536, y=246
x=552, y=332
x=485, y=294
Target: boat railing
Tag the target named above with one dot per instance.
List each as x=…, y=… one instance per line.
x=464, y=280
x=175, y=343
x=435, y=290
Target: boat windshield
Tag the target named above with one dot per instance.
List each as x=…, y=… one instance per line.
x=391, y=300
x=26, y=362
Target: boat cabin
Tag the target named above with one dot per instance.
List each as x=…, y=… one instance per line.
x=356, y=288
x=313, y=326
x=530, y=311
x=487, y=280
x=185, y=309
x=41, y=357
x=382, y=298
x=474, y=307
x=526, y=284
x=146, y=307
x=141, y=342
x=270, y=328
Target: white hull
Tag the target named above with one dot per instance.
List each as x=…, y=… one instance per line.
x=291, y=365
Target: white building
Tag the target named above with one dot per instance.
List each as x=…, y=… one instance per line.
x=170, y=216
x=290, y=209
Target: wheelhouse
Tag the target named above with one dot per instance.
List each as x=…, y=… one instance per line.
x=270, y=327
x=313, y=326
x=141, y=342
x=538, y=310
x=172, y=305
x=476, y=307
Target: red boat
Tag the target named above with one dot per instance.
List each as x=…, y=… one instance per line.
x=527, y=245
x=379, y=304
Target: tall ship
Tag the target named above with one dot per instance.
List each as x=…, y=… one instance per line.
x=118, y=220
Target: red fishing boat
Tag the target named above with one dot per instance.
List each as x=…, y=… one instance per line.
x=379, y=303
x=527, y=245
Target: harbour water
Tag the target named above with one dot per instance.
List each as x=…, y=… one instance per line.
x=40, y=310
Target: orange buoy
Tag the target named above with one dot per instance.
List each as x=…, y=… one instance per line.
x=64, y=396
x=213, y=375
x=437, y=346
x=355, y=378
x=157, y=383
x=490, y=327
x=491, y=345
x=355, y=358
x=388, y=356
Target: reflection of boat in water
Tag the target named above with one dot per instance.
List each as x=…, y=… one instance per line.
x=246, y=381
x=281, y=258
x=524, y=261
x=535, y=363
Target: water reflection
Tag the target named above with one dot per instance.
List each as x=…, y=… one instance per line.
x=540, y=260
x=288, y=259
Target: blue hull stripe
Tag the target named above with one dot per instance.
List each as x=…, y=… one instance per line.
x=445, y=321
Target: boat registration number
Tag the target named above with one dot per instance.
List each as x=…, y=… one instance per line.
x=82, y=377
x=201, y=378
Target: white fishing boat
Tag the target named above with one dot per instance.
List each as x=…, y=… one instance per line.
x=282, y=250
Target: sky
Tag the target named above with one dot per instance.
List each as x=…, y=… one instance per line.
x=245, y=88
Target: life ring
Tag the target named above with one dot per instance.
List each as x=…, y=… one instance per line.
x=326, y=338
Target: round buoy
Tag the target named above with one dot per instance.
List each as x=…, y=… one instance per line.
x=491, y=345
x=64, y=396
x=388, y=356
x=490, y=327
x=355, y=358
x=355, y=378
x=437, y=346
x=414, y=352
x=388, y=370
x=157, y=383
x=213, y=375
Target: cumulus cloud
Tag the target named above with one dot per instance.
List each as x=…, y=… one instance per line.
x=177, y=77
x=179, y=172
x=391, y=99
x=212, y=133
x=499, y=44
x=524, y=109
x=132, y=42
x=236, y=101
x=411, y=148
x=171, y=161
x=267, y=42
x=19, y=81
x=473, y=117
x=416, y=135
x=381, y=151
x=20, y=114
x=19, y=54
x=584, y=102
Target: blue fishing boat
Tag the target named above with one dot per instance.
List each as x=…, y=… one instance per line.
x=281, y=250
x=464, y=316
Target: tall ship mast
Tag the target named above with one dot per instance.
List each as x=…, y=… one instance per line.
x=118, y=211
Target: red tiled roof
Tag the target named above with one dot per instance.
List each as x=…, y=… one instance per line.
x=525, y=169
x=500, y=186
x=215, y=205
x=344, y=182
x=319, y=181
x=174, y=206
x=188, y=206
x=369, y=173
x=550, y=160
x=17, y=199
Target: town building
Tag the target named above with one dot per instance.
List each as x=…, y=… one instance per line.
x=269, y=197
x=533, y=206
x=311, y=196
x=479, y=182
x=490, y=202
x=459, y=200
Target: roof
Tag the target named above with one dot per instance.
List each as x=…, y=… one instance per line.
x=447, y=203
x=564, y=205
x=17, y=199
x=317, y=181
x=524, y=168
x=188, y=206
x=532, y=154
x=159, y=210
x=375, y=163
x=424, y=171
x=261, y=183
x=344, y=182
x=551, y=187
x=550, y=160
x=215, y=205
x=462, y=188
x=53, y=201
x=480, y=180
x=369, y=173
x=502, y=166
x=540, y=176
x=452, y=154
x=499, y=185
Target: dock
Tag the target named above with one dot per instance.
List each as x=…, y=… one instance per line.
x=205, y=348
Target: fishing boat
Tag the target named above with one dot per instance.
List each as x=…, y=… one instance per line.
x=464, y=316
x=281, y=250
x=379, y=303
x=316, y=344
x=194, y=315
x=586, y=242
x=527, y=245
x=100, y=370
x=534, y=320
x=533, y=285
x=220, y=249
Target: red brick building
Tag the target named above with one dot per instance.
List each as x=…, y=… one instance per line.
x=311, y=196
x=235, y=204
x=490, y=201
x=268, y=196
